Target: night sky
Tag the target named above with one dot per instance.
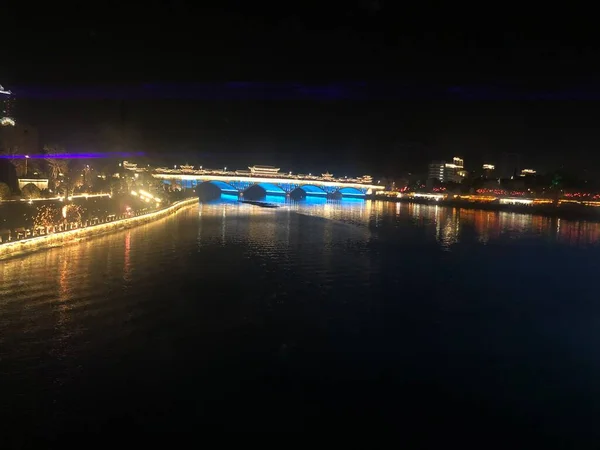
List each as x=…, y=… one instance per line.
x=356, y=86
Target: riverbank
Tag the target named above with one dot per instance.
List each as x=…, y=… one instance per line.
x=567, y=211
x=20, y=247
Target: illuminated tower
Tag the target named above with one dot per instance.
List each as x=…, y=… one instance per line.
x=6, y=103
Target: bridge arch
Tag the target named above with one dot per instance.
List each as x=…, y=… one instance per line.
x=308, y=189
x=212, y=190
x=224, y=187
x=269, y=188
x=351, y=192
x=261, y=190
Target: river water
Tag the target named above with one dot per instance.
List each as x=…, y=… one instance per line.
x=318, y=314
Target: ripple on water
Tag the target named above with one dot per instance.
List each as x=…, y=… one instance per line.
x=226, y=301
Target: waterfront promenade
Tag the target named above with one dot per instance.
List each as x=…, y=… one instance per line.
x=29, y=241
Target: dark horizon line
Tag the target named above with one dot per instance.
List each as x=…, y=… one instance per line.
x=355, y=91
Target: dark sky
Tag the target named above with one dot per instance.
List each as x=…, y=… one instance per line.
x=373, y=86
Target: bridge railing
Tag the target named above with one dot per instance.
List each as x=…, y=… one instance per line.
x=277, y=176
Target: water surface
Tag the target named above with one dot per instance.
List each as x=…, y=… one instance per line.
x=318, y=314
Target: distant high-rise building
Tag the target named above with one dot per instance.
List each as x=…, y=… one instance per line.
x=437, y=171
x=443, y=171
x=458, y=162
x=6, y=107
x=489, y=170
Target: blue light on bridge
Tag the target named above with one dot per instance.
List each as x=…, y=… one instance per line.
x=315, y=199
x=241, y=185
x=312, y=190
x=351, y=192
x=225, y=187
x=280, y=199
x=272, y=188
x=228, y=198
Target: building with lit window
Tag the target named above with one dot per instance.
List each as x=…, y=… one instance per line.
x=444, y=171
x=264, y=170
x=6, y=107
x=526, y=172
x=488, y=170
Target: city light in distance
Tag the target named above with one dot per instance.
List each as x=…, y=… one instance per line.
x=527, y=172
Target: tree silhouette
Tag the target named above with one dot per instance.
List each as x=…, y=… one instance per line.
x=57, y=167
x=4, y=191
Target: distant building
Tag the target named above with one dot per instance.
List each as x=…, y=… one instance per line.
x=129, y=166
x=40, y=183
x=489, y=170
x=526, y=172
x=444, y=172
x=6, y=107
x=264, y=170
x=15, y=138
x=186, y=168
x=437, y=171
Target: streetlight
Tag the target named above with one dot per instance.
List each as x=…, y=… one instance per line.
x=26, y=158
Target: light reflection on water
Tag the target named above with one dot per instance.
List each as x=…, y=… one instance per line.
x=447, y=224
x=222, y=294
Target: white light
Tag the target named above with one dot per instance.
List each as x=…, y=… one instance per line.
x=253, y=179
x=512, y=201
x=430, y=196
x=7, y=121
x=16, y=247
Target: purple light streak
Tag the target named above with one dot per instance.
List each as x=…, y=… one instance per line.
x=74, y=155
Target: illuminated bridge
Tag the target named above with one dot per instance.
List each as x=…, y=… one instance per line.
x=269, y=179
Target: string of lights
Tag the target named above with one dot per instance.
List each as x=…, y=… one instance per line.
x=16, y=247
